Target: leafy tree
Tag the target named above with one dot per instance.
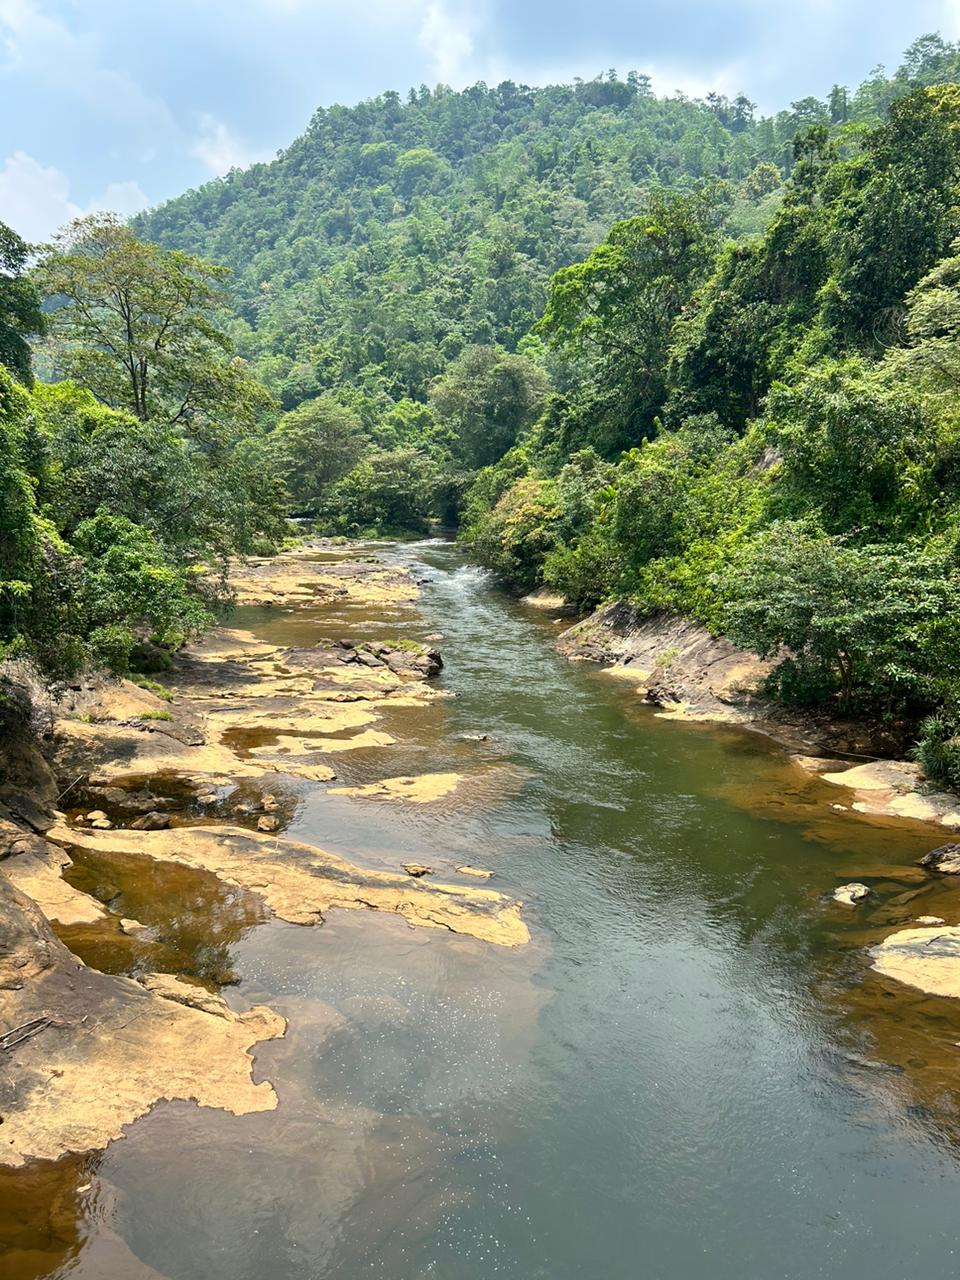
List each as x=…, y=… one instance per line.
x=931, y=357
x=388, y=492
x=313, y=447
x=97, y=459
x=488, y=398
x=876, y=621
x=131, y=592
x=619, y=306
x=136, y=325
x=859, y=449
x=20, y=314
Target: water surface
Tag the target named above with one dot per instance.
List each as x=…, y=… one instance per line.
x=691, y=1072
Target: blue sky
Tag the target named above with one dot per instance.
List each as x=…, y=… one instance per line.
x=123, y=103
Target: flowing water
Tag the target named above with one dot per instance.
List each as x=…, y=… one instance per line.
x=691, y=1072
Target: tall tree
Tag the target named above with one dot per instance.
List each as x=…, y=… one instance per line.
x=138, y=326
x=619, y=307
x=313, y=447
x=488, y=398
x=20, y=314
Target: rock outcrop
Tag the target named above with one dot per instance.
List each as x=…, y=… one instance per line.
x=85, y=1053
x=673, y=662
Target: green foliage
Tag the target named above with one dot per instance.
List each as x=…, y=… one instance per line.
x=130, y=591
x=394, y=234
x=618, y=308
x=137, y=326
x=20, y=314
x=313, y=447
x=938, y=749
x=487, y=398
x=109, y=518
x=390, y=493
x=876, y=621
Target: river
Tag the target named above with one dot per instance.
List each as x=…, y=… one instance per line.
x=690, y=1072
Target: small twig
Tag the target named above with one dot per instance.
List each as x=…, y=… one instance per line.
x=70, y=788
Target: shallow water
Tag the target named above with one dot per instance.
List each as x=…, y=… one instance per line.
x=690, y=1072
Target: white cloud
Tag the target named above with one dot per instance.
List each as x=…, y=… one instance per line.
x=218, y=149
x=35, y=198
x=447, y=40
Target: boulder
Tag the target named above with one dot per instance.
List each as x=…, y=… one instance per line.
x=848, y=895
x=417, y=869
x=945, y=858
x=268, y=823
x=153, y=821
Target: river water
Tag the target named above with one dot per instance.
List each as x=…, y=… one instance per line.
x=691, y=1072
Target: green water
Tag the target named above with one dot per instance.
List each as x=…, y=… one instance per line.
x=691, y=1072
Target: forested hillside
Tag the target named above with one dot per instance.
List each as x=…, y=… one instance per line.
x=655, y=349
x=392, y=234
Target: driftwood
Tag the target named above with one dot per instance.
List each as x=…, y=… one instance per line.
x=16, y=1035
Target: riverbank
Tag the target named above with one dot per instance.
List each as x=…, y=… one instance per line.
x=685, y=672
x=199, y=776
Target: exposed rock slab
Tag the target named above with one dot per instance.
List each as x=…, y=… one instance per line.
x=927, y=958
x=422, y=789
x=709, y=676
x=98, y=1051
x=894, y=788
x=301, y=883
x=35, y=866
x=292, y=578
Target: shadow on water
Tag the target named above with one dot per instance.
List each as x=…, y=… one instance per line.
x=691, y=1072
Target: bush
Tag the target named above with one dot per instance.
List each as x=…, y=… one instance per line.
x=938, y=749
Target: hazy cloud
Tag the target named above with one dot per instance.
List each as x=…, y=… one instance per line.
x=447, y=39
x=35, y=198
x=218, y=149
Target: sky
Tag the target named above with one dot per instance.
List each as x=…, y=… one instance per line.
x=120, y=104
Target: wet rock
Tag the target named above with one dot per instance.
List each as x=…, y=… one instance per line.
x=662, y=696
x=151, y=822
x=246, y=807
x=434, y=637
x=130, y=801
x=929, y=920
x=477, y=872
x=183, y=992
x=270, y=803
x=423, y=789
x=945, y=858
x=417, y=869
x=849, y=895
x=130, y=926
x=301, y=883
x=268, y=823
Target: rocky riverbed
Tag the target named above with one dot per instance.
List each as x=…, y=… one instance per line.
x=195, y=776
